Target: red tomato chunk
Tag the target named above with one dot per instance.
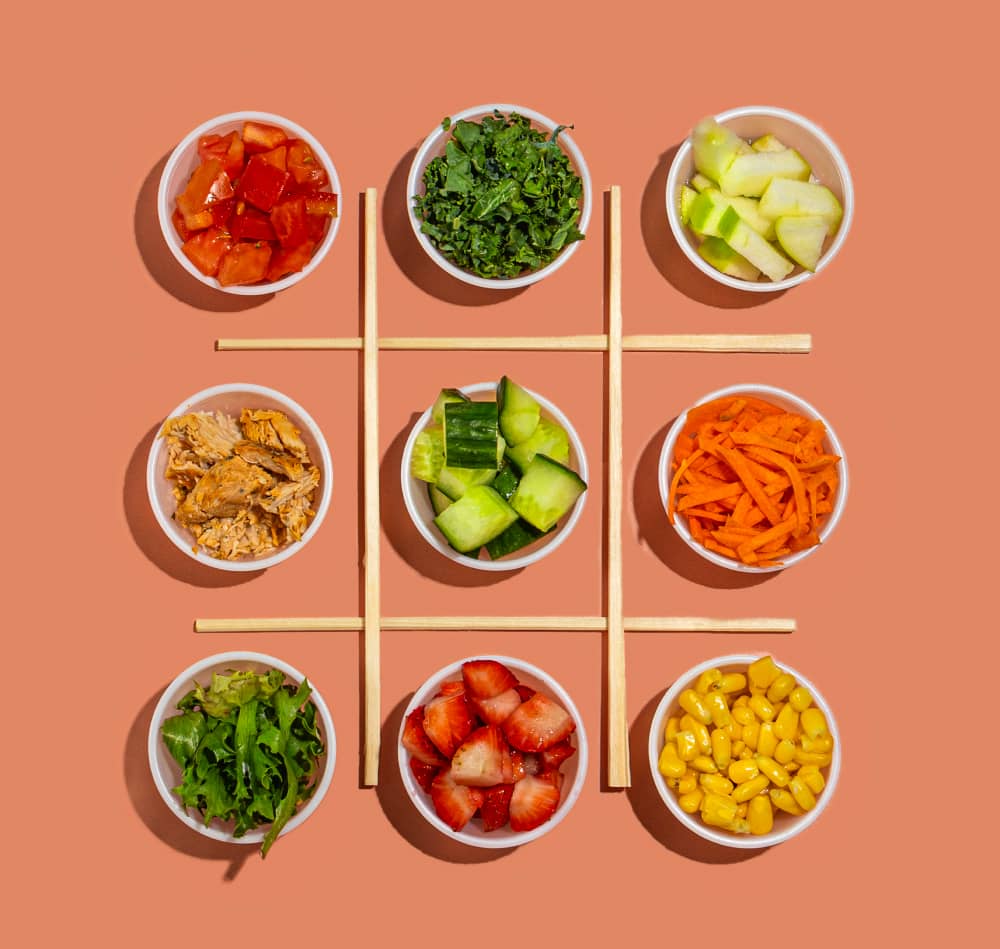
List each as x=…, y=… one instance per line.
x=207, y=248
x=289, y=222
x=258, y=137
x=285, y=262
x=262, y=183
x=245, y=263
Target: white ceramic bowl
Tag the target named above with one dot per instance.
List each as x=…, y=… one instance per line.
x=785, y=825
x=231, y=399
x=434, y=145
x=418, y=502
x=183, y=161
x=796, y=131
x=574, y=769
x=782, y=399
x=167, y=774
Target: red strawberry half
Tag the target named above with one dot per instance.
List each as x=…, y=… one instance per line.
x=552, y=758
x=486, y=678
x=494, y=711
x=424, y=773
x=525, y=691
x=495, y=811
x=479, y=761
x=454, y=803
x=451, y=688
x=448, y=721
x=513, y=765
x=537, y=724
x=416, y=742
x=533, y=802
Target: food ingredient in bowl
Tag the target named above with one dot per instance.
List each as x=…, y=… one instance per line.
x=487, y=744
x=244, y=488
x=742, y=747
x=249, y=746
x=503, y=199
x=497, y=471
x=753, y=204
x=255, y=209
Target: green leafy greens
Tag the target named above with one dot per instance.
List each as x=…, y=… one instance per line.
x=503, y=199
x=249, y=747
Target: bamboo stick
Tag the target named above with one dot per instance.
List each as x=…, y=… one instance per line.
x=319, y=343
x=596, y=343
x=721, y=343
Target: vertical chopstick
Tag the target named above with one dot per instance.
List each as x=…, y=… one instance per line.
x=372, y=559
x=618, y=754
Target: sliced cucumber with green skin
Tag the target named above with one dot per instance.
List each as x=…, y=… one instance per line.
x=785, y=198
x=454, y=482
x=802, y=238
x=750, y=175
x=549, y=438
x=715, y=147
x=445, y=396
x=505, y=483
x=768, y=143
x=518, y=535
x=709, y=207
x=688, y=197
x=519, y=412
x=428, y=454
x=470, y=434
x=700, y=183
x=546, y=492
x=724, y=259
x=439, y=500
x=475, y=519
x=747, y=242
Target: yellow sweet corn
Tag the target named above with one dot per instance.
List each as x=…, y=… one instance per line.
x=673, y=727
x=747, y=753
x=691, y=801
x=722, y=748
x=703, y=736
x=743, y=714
x=800, y=698
x=785, y=752
x=741, y=700
x=708, y=681
x=813, y=778
x=762, y=672
x=687, y=746
x=716, y=783
x=719, y=708
x=804, y=797
x=820, y=745
x=694, y=705
x=781, y=688
x=751, y=733
x=767, y=741
x=813, y=757
x=742, y=811
x=760, y=816
x=786, y=725
x=717, y=810
x=760, y=706
x=670, y=764
x=775, y=773
x=741, y=771
x=750, y=789
x=784, y=801
x=813, y=723
x=687, y=783
x=732, y=682
x=704, y=764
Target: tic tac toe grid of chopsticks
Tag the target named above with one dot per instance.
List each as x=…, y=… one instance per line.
x=613, y=623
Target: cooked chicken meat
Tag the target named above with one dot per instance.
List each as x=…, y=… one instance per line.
x=272, y=429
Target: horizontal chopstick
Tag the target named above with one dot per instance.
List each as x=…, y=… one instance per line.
x=677, y=343
x=647, y=624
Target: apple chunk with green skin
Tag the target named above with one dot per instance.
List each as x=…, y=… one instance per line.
x=707, y=209
x=802, y=238
x=768, y=143
x=700, y=183
x=748, y=243
x=750, y=175
x=715, y=147
x=723, y=258
x=785, y=198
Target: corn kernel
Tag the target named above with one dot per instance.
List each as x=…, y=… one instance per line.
x=734, y=729
x=800, y=698
x=820, y=745
x=777, y=774
x=691, y=801
x=741, y=771
x=716, y=783
x=813, y=778
x=722, y=749
x=687, y=783
x=717, y=810
x=785, y=752
x=784, y=801
x=738, y=746
x=760, y=706
x=687, y=746
x=751, y=733
x=741, y=701
x=767, y=741
x=732, y=682
x=786, y=725
x=813, y=723
x=742, y=811
x=813, y=757
x=791, y=767
x=738, y=826
x=760, y=816
x=751, y=788
x=708, y=681
x=670, y=764
x=703, y=736
x=719, y=708
x=743, y=715
x=694, y=705
x=704, y=764
x=804, y=797
x=781, y=688
x=762, y=672
x=673, y=727
x=747, y=753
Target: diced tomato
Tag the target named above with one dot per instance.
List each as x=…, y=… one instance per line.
x=245, y=263
x=262, y=183
x=258, y=137
x=277, y=157
x=252, y=225
x=221, y=211
x=207, y=249
x=308, y=172
x=178, y=221
x=289, y=222
x=208, y=184
x=320, y=208
x=196, y=220
x=284, y=262
x=227, y=149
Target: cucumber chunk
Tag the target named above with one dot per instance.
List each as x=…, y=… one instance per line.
x=470, y=434
x=746, y=241
x=445, y=396
x=519, y=412
x=475, y=519
x=768, y=143
x=700, y=183
x=454, y=482
x=439, y=500
x=518, y=535
x=546, y=492
x=688, y=197
x=751, y=174
x=709, y=207
x=505, y=483
x=428, y=454
x=715, y=147
x=723, y=258
x=802, y=238
x=548, y=438
x=801, y=199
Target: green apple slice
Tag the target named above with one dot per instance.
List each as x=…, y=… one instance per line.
x=688, y=197
x=768, y=143
x=750, y=175
x=700, y=183
x=747, y=242
x=715, y=147
x=802, y=238
x=785, y=198
x=723, y=258
x=708, y=208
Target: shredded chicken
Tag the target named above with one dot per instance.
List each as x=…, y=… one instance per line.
x=243, y=489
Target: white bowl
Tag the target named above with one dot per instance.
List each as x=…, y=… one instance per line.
x=785, y=825
x=434, y=145
x=796, y=131
x=574, y=769
x=418, y=502
x=183, y=161
x=231, y=398
x=782, y=399
x=167, y=774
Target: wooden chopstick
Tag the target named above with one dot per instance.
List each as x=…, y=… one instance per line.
x=676, y=343
x=618, y=753
x=637, y=624
x=372, y=558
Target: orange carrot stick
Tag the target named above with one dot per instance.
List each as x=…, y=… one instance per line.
x=740, y=468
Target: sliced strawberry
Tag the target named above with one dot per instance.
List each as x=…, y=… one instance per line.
x=451, y=688
x=533, y=802
x=448, y=721
x=486, y=678
x=416, y=742
x=553, y=757
x=479, y=761
x=454, y=803
x=513, y=765
x=495, y=811
x=494, y=711
x=525, y=691
x=538, y=724
x=424, y=773
x=533, y=764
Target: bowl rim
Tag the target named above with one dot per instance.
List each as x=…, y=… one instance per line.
x=409, y=484
x=664, y=474
x=680, y=233
x=165, y=201
x=414, y=186
x=717, y=835
x=421, y=800
x=162, y=711
x=153, y=476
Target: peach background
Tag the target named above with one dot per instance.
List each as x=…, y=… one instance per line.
x=105, y=334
